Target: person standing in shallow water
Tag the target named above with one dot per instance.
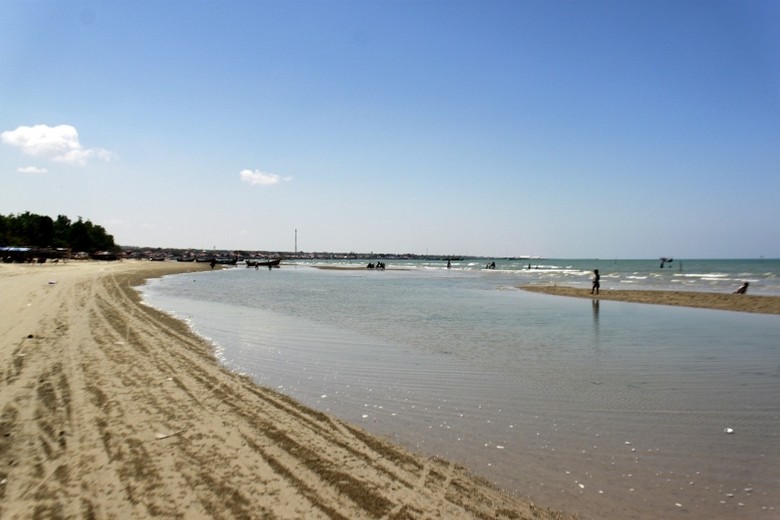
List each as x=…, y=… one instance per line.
x=596, y=282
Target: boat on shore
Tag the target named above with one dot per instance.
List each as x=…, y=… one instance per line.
x=264, y=263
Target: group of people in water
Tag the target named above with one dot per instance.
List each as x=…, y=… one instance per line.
x=596, y=282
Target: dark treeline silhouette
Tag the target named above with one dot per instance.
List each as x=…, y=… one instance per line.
x=40, y=231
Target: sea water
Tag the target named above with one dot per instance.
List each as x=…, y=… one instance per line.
x=675, y=275
x=605, y=409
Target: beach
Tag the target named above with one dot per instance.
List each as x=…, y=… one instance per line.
x=705, y=300
x=112, y=409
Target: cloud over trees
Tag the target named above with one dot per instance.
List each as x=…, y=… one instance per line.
x=59, y=143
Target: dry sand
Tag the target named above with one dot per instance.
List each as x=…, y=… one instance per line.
x=111, y=409
x=726, y=302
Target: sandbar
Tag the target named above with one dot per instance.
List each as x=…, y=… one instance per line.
x=112, y=409
x=707, y=300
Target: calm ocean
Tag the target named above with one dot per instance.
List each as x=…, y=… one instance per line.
x=605, y=409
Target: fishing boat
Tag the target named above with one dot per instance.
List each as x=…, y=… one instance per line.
x=264, y=263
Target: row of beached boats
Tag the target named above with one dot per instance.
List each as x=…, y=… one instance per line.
x=272, y=262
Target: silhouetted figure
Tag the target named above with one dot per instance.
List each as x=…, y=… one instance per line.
x=742, y=289
x=449, y=264
x=596, y=282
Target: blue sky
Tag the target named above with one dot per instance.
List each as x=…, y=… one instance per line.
x=583, y=129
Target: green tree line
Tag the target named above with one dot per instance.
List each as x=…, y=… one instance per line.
x=30, y=230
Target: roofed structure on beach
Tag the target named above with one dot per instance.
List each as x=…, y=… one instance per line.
x=24, y=254
x=15, y=254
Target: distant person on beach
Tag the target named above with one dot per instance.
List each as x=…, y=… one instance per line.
x=596, y=282
x=742, y=289
x=449, y=264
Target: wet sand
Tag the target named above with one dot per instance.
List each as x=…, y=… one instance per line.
x=111, y=409
x=719, y=301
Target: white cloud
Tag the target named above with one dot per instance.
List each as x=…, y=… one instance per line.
x=31, y=170
x=60, y=143
x=262, y=178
